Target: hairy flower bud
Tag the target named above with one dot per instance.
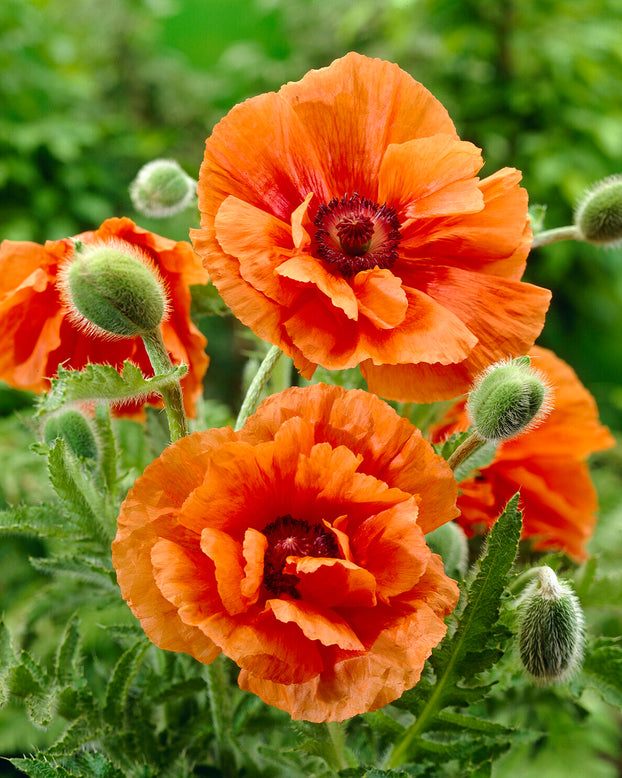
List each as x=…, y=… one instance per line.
x=551, y=630
x=599, y=214
x=450, y=543
x=111, y=288
x=506, y=399
x=162, y=189
x=75, y=430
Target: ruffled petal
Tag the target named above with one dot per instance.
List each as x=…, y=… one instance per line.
x=316, y=623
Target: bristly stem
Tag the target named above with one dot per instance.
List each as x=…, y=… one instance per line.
x=552, y=236
x=220, y=706
x=171, y=393
x=253, y=395
x=465, y=449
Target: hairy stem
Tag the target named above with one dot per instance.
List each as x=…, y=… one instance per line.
x=552, y=236
x=253, y=395
x=171, y=393
x=464, y=450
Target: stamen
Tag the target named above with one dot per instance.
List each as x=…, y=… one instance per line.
x=293, y=537
x=354, y=234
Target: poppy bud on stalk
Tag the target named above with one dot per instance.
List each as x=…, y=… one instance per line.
x=112, y=289
x=75, y=430
x=506, y=399
x=162, y=189
x=551, y=631
x=599, y=214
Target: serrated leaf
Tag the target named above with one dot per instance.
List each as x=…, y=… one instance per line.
x=26, y=677
x=8, y=659
x=68, y=653
x=83, y=568
x=458, y=721
x=602, y=668
x=40, y=767
x=471, y=649
x=107, y=446
x=180, y=690
x=119, y=684
x=103, y=382
x=78, y=495
x=43, y=521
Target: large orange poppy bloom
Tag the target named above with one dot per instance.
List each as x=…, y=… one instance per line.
x=37, y=333
x=296, y=547
x=342, y=219
x=547, y=463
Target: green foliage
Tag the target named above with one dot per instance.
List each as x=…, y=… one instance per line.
x=103, y=382
x=476, y=644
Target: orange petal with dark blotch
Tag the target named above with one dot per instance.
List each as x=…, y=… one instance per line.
x=259, y=241
x=380, y=298
x=415, y=175
x=226, y=554
x=391, y=546
x=307, y=270
x=316, y=623
x=333, y=583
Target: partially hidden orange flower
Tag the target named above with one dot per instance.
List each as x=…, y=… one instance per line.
x=38, y=335
x=342, y=219
x=296, y=547
x=548, y=464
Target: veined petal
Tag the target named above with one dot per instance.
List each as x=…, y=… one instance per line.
x=306, y=269
x=380, y=298
x=316, y=623
x=333, y=583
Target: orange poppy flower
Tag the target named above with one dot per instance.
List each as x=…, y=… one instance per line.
x=37, y=333
x=548, y=463
x=342, y=219
x=296, y=546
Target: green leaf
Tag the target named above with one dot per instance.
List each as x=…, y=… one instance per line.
x=457, y=721
x=107, y=448
x=26, y=677
x=92, y=570
x=118, y=688
x=602, y=668
x=79, y=732
x=40, y=767
x=477, y=641
x=68, y=653
x=78, y=495
x=45, y=521
x=8, y=659
x=103, y=382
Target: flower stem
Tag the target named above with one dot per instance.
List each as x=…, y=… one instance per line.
x=171, y=393
x=220, y=706
x=253, y=395
x=552, y=236
x=465, y=449
x=335, y=745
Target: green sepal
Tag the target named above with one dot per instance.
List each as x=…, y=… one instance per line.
x=104, y=382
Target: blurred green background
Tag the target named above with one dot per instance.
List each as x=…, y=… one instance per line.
x=91, y=90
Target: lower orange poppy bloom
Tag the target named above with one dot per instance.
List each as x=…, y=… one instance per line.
x=548, y=464
x=37, y=333
x=342, y=219
x=295, y=546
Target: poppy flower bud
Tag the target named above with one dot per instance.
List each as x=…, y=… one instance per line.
x=551, y=630
x=599, y=214
x=450, y=543
x=111, y=288
x=162, y=189
x=75, y=430
x=506, y=399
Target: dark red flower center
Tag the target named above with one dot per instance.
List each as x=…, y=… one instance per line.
x=293, y=537
x=354, y=234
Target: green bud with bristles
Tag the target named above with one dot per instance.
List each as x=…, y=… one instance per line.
x=450, y=543
x=161, y=189
x=75, y=430
x=599, y=214
x=551, y=628
x=506, y=399
x=112, y=289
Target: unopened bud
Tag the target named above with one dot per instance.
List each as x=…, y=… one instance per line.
x=162, y=189
x=450, y=543
x=75, y=430
x=111, y=288
x=599, y=214
x=506, y=399
x=551, y=629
